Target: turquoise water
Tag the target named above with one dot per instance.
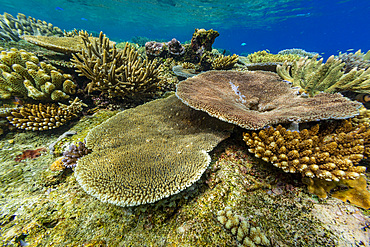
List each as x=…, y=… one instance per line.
x=321, y=26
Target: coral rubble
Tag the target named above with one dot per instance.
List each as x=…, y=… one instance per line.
x=116, y=72
x=38, y=117
x=147, y=153
x=22, y=75
x=255, y=99
x=329, y=151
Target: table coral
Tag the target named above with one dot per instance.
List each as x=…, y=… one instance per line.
x=299, y=52
x=267, y=57
x=22, y=75
x=329, y=151
x=150, y=152
x=314, y=76
x=255, y=99
x=39, y=117
x=120, y=73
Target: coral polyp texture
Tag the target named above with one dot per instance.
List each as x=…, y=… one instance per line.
x=22, y=75
x=267, y=57
x=11, y=28
x=39, y=117
x=246, y=233
x=147, y=153
x=116, y=72
x=255, y=99
x=224, y=62
x=299, y=52
x=314, y=76
x=74, y=152
x=328, y=151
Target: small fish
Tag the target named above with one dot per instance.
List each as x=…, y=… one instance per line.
x=59, y=8
x=307, y=14
x=322, y=53
x=243, y=44
x=350, y=49
x=84, y=19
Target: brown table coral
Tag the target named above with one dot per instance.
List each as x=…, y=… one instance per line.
x=253, y=100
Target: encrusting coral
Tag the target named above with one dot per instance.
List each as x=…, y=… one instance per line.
x=328, y=151
x=11, y=28
x=267, y=57
x=117, y=72
x=22, y=75
x=224, y=62
x=41, y=117
x=314, y=76
x=246, y=233
x=147, y=153
x=255, y=99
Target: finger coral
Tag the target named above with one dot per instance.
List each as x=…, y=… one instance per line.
x=224, y=62
x=11, y=28
x=246, y=233
x=22, y=75
x=117, y=72
x=147, y=153
x=255, y=99
x=314, y=76
x=329, y=151
x=44, y=117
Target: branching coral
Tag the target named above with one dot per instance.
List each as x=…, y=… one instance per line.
x=357, y=60
x=328, y=151
x=23, y=75
x=11, y=28
x=267, y=57
x=44, y=117
x=224, y=62
x=253, y=100
x=117, y=72
x=314, y=76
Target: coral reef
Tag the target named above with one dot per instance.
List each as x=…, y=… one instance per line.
x=116, y=72
x=203, y=40
x=11, y=28
x=22, y=75
x=147, y=153
x=357, y=60
x=266, y=57
x=314, y=76
x=175, y=48
x=44, y=117
x=299, y=52
x=245, y=232
x=328, y=151
x=224, y=62
x=30, y=154
x=155, y=49
x=74, y=152
x=255, y=99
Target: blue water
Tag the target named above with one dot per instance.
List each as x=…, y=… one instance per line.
x=326, y=26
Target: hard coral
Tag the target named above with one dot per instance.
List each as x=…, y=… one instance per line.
x=44, y=117
x=147, y=153
x=120, y=73
x=203, y=40
x=314, y=76
x=253, y=100
x=267, y=57
x=24, y=76
x=329, y=151
x=74, y=152
x=224, y=62
x=355, y=60
x=30, y=154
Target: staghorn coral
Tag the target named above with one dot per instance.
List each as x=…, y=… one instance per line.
x=329, y=151
x=314, y=76
x=116, y=72
x=355, y=60
x=11, y=28
x=246, y=233
x=299, y=52
x=24, y=76
x=224, y=62
x=266, y=57
x=44, y=117
x=147, y=153
x=74, y=152
x=255, y=99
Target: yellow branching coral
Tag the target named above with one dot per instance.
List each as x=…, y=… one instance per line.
x=314, y=76
x=23, y=75
x=267, y=57
x=224, y=62
x=44, y=117
x=328, y=152
x=117, y=72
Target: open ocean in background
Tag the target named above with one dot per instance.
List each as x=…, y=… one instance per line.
x=322, y=26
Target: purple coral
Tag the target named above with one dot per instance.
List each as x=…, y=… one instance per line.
x=74, y=153
x=175, y=47
x=154, y=48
